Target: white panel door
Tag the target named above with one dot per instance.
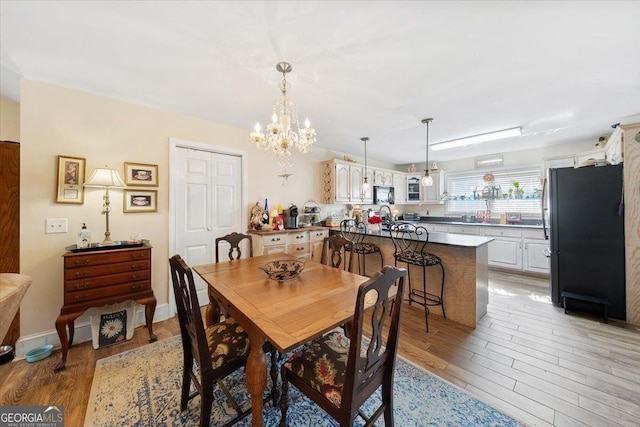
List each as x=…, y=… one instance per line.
x=208, y=203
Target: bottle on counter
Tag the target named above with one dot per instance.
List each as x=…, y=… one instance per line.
x=84, y=237
x=265, y=213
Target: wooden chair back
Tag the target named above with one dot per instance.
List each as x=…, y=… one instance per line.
x=367, y=371
x=337, y=252
x=192, y=328
x=234, y=239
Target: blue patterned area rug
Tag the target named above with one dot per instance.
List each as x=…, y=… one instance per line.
x=141, y=387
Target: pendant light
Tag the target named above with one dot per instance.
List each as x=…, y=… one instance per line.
x=365, y=183
x=427, y=181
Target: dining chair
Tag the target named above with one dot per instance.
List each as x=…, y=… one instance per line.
x=355, y=231
x=218, y=350
x=234, y=239
x=337, y=252
x=339, y=374
x=410, y=241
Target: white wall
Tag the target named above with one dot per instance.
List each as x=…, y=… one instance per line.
x=58, y=121
x=9, y=119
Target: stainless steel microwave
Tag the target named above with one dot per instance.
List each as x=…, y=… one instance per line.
x=383, y=195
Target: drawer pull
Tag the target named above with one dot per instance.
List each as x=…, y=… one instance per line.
x=137, y=266
x=275, y=239
x=300, y=237
x=299, y=249
x=137, y=256
x=77, y=274
x=81, y=298
x=78, y=262
x=137, y=276
x=79, y=286
x=137, y=287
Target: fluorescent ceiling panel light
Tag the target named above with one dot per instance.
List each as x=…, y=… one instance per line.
x=477, y=139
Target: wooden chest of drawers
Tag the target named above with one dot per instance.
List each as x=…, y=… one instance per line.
x=98, y=278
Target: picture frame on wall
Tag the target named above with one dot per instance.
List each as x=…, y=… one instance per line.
x=140, y=174
x=140, y=201
x=71, y=176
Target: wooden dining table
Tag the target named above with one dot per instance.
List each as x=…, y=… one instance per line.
x=287, y=313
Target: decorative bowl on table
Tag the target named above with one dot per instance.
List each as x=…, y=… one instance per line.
x=282, y=270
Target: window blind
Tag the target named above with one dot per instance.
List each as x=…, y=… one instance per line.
x=465, y=193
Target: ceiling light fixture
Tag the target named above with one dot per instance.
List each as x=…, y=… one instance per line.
x=284, y=131
x=427, y=181
x=365, y=181
x=477, y=139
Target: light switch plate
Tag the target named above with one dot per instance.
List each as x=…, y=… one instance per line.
x=55, y=225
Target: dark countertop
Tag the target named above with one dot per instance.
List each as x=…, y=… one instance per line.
x=449, y=239
x=526, y=223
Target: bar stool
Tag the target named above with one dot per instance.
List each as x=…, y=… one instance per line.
x=409, y=241
x=355, y=232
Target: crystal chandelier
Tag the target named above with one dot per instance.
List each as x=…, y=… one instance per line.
x=284, y=131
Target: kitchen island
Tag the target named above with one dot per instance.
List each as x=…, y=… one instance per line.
x=465, y=262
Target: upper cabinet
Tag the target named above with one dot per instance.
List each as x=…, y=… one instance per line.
x=433, y=194
x=342, y=183
x=400, y=187
x=413, y=188
x=383, y=177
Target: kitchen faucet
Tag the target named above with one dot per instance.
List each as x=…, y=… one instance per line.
x=386, y=219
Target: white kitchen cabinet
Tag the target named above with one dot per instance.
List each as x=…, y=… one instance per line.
x=302, y=242
x=433, y=193
x=506, y=252
x=382, y=177
x=534, y=248
x=400, y=188
x=413, y=189
x=435, y=228
x=342, y=183
x=316, y=239
x=506, y=248
x=465, y=229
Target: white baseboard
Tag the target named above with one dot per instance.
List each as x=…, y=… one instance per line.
x=82, y=331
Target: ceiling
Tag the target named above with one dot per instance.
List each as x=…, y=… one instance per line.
x=564, y=71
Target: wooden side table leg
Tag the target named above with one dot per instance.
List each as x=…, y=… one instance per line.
x=71, y=325
x=61, y=327
x=149, y=311
x=256, y=370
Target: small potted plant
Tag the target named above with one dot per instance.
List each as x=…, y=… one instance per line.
x=519, y=192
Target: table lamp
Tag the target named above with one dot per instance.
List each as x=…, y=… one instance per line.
x=105, y=178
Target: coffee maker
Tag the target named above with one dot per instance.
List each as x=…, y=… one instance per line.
x=290, y=217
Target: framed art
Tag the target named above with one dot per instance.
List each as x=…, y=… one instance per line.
x=71, y=175
x=140, y=174
x=140, y=201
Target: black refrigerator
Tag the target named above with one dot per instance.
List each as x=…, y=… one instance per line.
x=586, y=235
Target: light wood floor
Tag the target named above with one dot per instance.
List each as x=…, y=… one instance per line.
x=526, y=358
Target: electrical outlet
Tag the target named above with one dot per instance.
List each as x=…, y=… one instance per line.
x=55, y=225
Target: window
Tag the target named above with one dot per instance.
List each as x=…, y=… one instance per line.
x=469, y=193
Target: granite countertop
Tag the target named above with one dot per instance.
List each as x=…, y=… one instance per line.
x=449, y=239
x=526, y=223
x=287, y=230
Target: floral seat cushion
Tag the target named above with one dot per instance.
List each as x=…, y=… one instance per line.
x=366, y=248
x=227, y=341
x=418, y=258
x=322, y=365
